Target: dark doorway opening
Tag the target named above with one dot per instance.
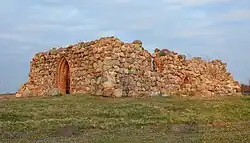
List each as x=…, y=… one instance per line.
x=63, y=80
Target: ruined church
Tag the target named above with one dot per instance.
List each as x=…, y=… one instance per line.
x=110, y=67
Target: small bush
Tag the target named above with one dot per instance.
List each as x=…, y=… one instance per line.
x=162, y=53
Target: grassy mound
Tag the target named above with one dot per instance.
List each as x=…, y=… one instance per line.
x=82, y=118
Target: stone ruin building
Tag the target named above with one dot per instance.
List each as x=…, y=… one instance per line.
x=110, y=67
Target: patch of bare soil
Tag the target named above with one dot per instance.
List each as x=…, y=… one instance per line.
x=7, y=96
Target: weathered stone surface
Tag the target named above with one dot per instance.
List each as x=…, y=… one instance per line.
x=118, y=93
x=54, y=92
x=27, y=93
x=195, y=76
x=19, y=95
x=110, y=67
x=99, y=93
x=108, y=84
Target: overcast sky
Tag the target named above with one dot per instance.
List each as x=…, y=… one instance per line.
x=212, y=29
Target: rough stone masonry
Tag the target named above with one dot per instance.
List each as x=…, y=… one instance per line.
x=110, y=67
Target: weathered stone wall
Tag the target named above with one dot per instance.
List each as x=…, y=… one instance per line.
x=193, y=76
x=110, y=67
x=128, y=67
x=85, y=62
x=99, y=67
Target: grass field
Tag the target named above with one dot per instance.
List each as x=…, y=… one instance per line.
x=82, y=118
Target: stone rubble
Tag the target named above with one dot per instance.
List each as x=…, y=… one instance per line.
x=110, y=67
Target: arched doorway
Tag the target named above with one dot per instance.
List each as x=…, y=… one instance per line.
x=63, y=77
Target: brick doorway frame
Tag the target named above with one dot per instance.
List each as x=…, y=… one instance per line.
x=63, y=76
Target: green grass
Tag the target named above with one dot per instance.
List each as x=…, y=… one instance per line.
x=99, y=119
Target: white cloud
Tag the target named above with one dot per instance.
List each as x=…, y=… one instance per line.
x=188, y=3
x=197, y=33
x=107, y=33
x=48, y=27
x=18, y=37
x=122, y=1
x=55, y=13
x=236, y=15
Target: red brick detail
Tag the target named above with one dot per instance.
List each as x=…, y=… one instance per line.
x=63, y=77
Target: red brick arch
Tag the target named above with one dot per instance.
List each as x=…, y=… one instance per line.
x=63, y=76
